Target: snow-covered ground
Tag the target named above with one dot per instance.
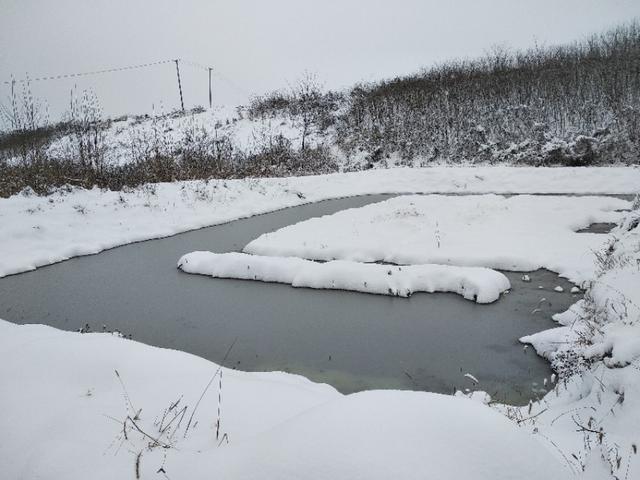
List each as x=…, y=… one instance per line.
x=66, y=414
x=39, y=231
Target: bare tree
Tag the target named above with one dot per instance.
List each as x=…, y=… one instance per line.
x=308, y=105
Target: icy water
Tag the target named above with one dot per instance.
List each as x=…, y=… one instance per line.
x=353, y=341
x=598, y=228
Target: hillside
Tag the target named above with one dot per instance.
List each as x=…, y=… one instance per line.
x=572, y=105
x=575, y=104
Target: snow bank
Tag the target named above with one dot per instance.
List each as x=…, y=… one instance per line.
x=391, y=434
x=606, y=323
x=596, y=350
x=65, y=406
x=39, y=231
x=479, y=284
x=521, y=233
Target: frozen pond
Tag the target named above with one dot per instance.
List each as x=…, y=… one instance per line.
x=350, y=340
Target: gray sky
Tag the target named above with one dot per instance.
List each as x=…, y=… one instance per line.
x=259, y=45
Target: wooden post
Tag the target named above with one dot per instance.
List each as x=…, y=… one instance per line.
x=179, y=84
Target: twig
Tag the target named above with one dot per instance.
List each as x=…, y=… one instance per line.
x=531, y=417
x=138, y=464
x=224, y=437
x=182, y=411
x=135, y=425
x=569, y=463
x=208, y=385
x=126, y=394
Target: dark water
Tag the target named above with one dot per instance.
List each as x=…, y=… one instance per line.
x=353, y=341
x=599, y=227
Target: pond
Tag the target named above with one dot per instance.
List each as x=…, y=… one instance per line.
x=352, y=341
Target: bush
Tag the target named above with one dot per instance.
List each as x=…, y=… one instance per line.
x=509, y=106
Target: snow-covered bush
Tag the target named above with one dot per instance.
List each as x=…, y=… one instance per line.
x=569, y=105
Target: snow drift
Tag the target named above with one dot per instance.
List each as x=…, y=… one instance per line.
x=478, y=284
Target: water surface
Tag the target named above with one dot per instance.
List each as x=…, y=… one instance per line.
x=351, y=340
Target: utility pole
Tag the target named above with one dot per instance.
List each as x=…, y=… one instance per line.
x=210, y=98
x=179, y=84
x=14, y=106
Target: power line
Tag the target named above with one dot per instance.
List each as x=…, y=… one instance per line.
x=216, y=74
x=231, y=83
x=190, y=63
x=84, y=74
x=194, y=64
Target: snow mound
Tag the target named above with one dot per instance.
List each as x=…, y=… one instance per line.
x=478, y=284
x=521, y=233
x=65, y=402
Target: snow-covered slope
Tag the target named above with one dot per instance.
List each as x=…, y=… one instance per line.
x=131, y=138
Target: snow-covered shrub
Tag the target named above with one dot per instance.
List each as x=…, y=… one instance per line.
x=569, y=105
x=309, y=107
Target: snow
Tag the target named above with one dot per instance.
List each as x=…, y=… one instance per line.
x=519, y=233
x=132, y=138
x=589, y=417
x=605, y=400
x=597, y=352
x=414, y=434
x=471, y=377
x=478, y=284
x=606, y=323
x=38, y=231
x=66, y=419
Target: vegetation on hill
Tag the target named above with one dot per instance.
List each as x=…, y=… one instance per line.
x=574, y=105
x=577, y=104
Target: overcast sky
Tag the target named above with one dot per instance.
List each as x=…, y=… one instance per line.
x=259, y=45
